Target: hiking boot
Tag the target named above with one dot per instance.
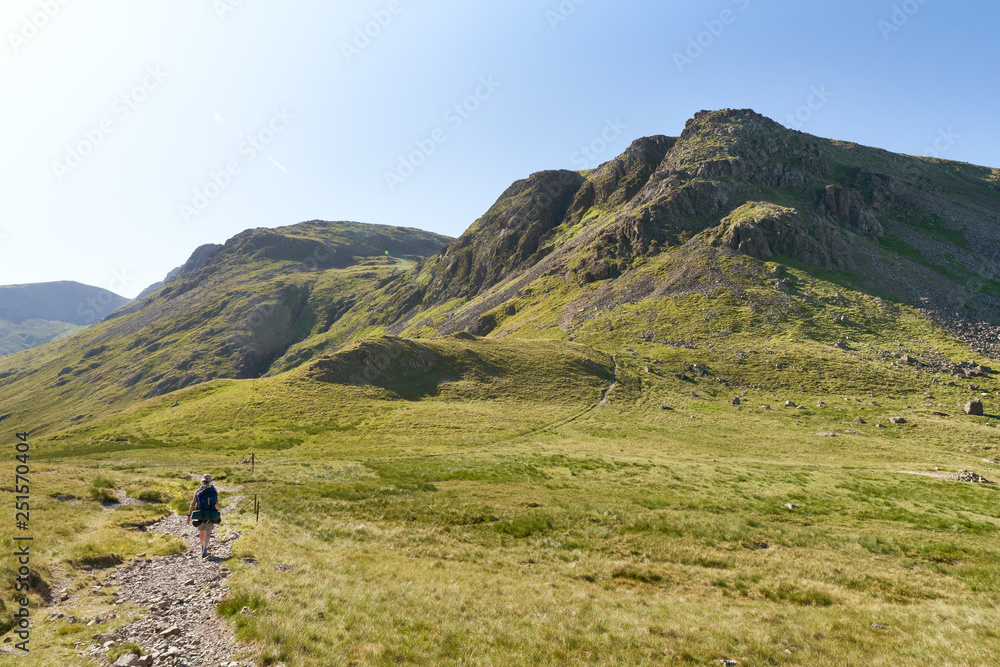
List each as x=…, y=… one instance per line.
x=204, y=552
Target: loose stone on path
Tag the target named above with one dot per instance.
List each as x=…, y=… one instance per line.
x=181, y=592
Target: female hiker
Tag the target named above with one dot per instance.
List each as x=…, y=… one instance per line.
x=204, y=502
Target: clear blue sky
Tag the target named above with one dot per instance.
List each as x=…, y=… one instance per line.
x=158, y=95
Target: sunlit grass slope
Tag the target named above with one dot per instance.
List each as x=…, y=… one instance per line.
x=485, y=508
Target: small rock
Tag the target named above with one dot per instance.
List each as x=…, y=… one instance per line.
x=827, y=435
x=859, y=420
x=974, y=407
x=969, y=476
x=879, y=626
x=170, y=632
x=790, y=506
x=735, y=401
x=897, y=420
x=126, y=660
x=664, y=406
x=189, y=582
x=789, y=404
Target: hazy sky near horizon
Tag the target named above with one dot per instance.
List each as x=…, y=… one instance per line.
x=134, y=132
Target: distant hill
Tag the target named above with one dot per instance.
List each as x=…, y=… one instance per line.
x=37, y=313
x=230, y=311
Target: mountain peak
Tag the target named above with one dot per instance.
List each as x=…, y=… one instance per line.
x=728, y=117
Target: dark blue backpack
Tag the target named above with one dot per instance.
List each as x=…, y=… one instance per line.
x=207, y=497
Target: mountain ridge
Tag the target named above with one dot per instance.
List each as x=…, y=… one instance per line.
x=737, y=211
x=709, y=183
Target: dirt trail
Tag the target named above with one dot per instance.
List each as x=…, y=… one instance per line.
x=614, y=383
x=180, y=592
x=938, y=475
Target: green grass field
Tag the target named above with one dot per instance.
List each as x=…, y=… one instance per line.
x=490, y=511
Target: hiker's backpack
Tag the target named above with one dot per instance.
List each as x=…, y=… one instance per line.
x=207, y=497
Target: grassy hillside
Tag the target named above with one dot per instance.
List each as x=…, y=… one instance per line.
x=15, y=337
x=703, y=403
x=36, y=313
x=912, y=230
x=398, y=477
x=236, y=316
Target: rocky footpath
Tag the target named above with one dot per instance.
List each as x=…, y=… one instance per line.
x=181, y=592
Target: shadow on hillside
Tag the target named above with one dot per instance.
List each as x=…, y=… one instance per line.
x=406, y=369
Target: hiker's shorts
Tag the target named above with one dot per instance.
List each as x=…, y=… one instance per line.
x=206, y=527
